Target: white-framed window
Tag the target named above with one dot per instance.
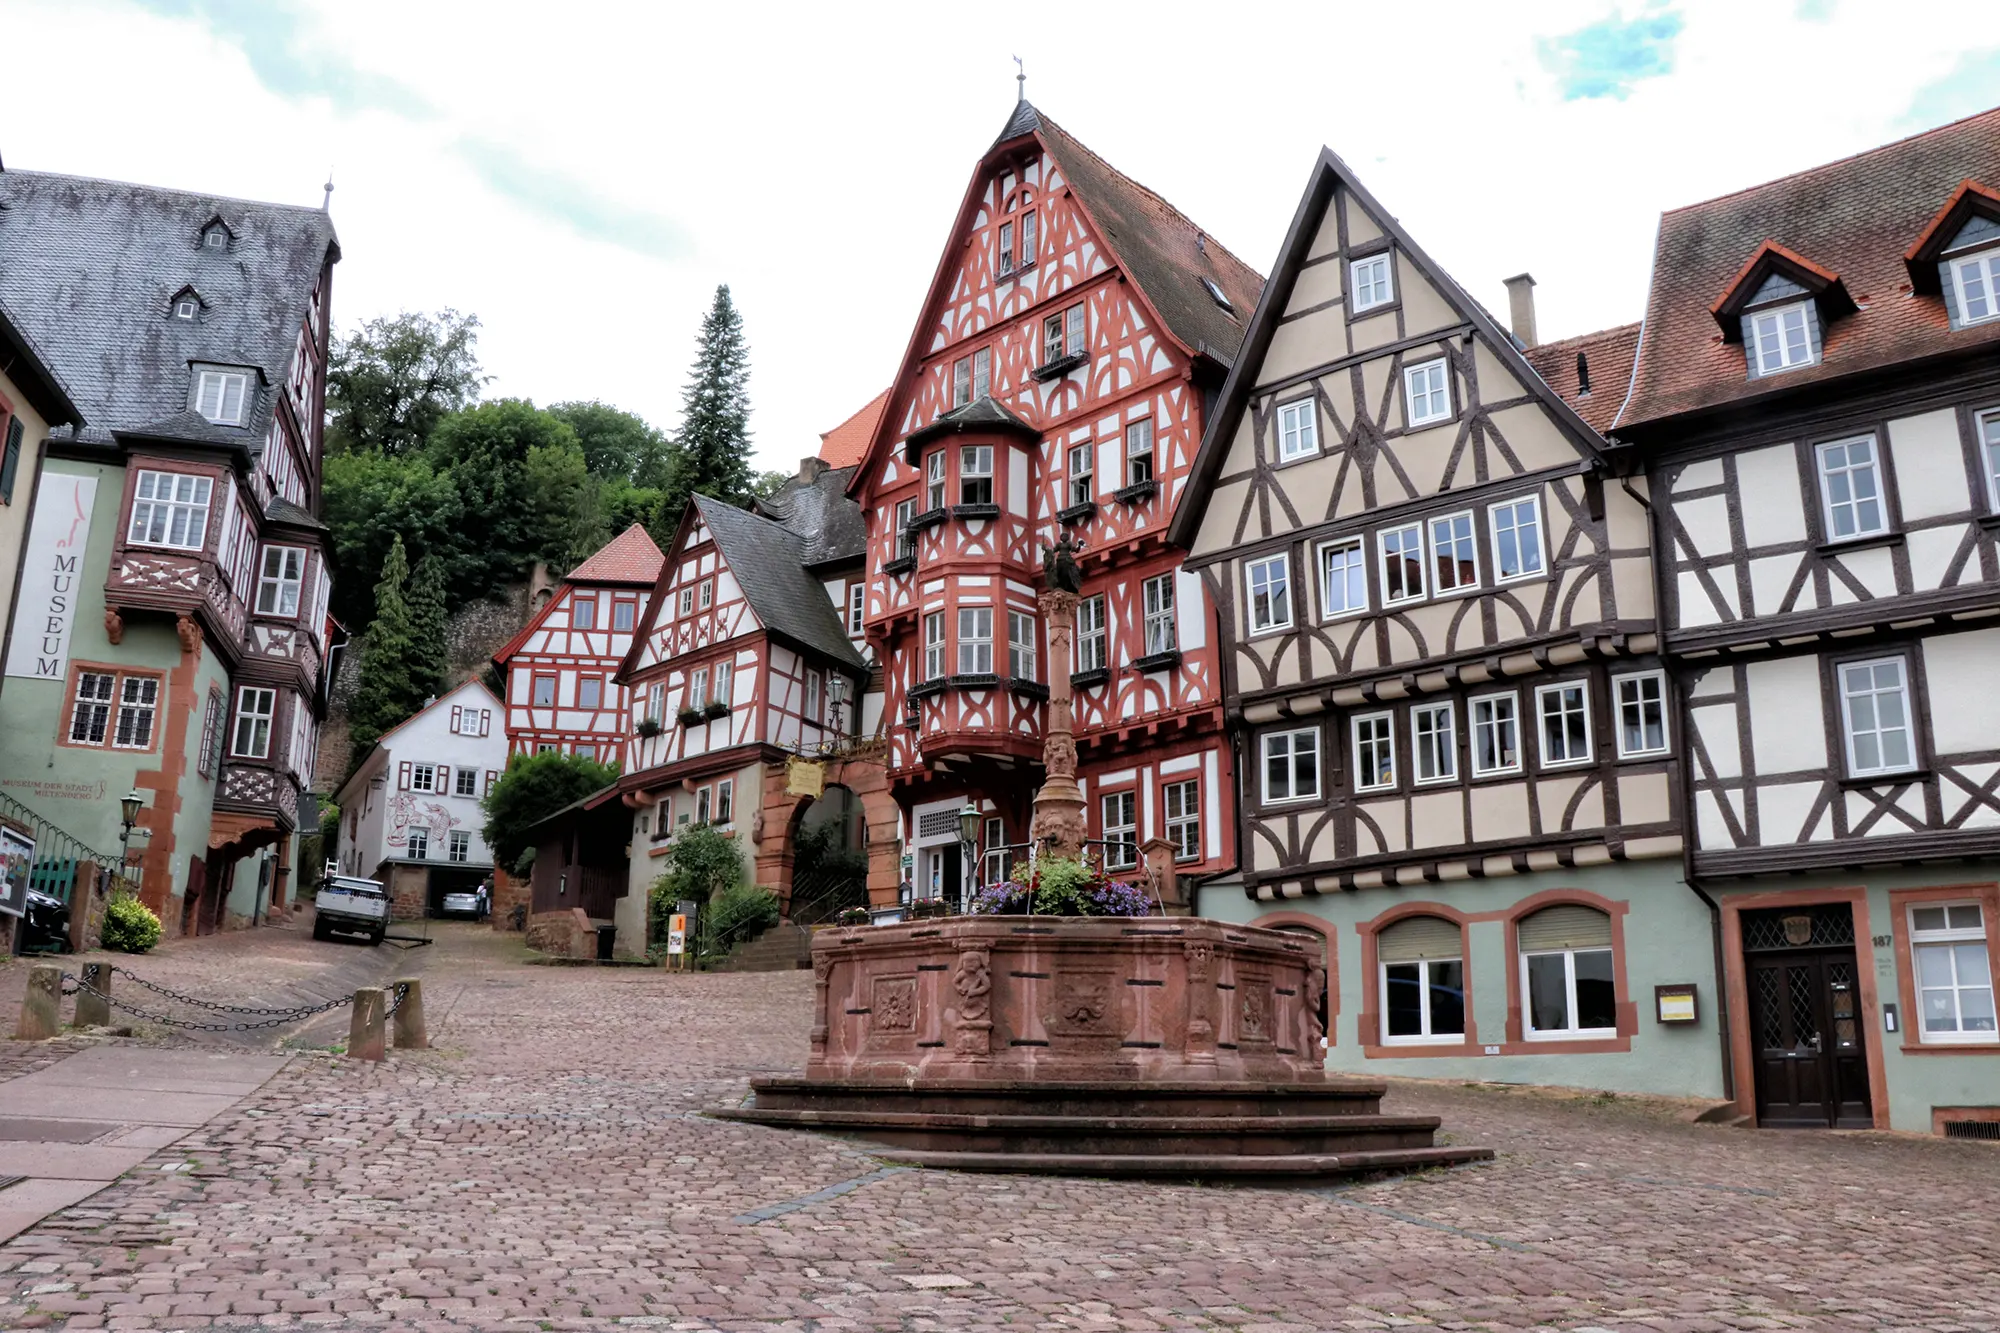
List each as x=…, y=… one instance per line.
x=1434, y=743
x=465, y=782
x=544, y=695
x=975, y=474
x=461, y=845
x=1850, y=484
x=857, y=605
x=1270, y=588
x=934, y=481
x=1568, y=979
x=961, y=381
x=1121, y=830
x=1006, y=248
x=1954, y=973
x=471, y=721
x=982, y=372
x=906, y=541
x=1298, y=430
x=590, y=691
x=1021, y=646
x=1139, y=451
x=1976, y=282
x=1182, y=801
x=725, y=800
x=697, y=695
x=185, y=308
x=1989, y=455
x=1875, y=708
x=975, y=640
x=1402, y=563
x=1156, y=597
x=220, y=395
x=138, y=704
x=170, y=509
x=934, y=646
x=1082, y=478
x=1075, y=330
x=1426, y=393
x=704, y=798
x=585, y=751
x=1781, y=338
x=90, y=714
x=254, y=707
x=417, y=844
x=1291, y=765
x=1090, y=634
x=583, y=612
x=815, y=704
x=1370, y=281
x=707, y=593
x=623, y=612
x=687, y=601
x=1052, y=339
x=424, y=777
x=1030, y=237
x=1423, y=980
x=1343, y=578
x=215, y=238
x=1565, y=716
x=1642, y=713
x=1517, y=538
x=1375, y=752
x=1454, y=553
x=994, y=861
x=656, y=701
x=1496, y=734
x=724, y=684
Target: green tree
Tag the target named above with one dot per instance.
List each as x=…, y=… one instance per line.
x=518, y=469
x=389, y=385
x=616, y=444
x=372, y=500
x=431, y=655
x=391, y=687
x=534, y=787
x=711, y=454
x=767, y=484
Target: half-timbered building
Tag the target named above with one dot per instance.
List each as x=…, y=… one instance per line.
x=1437, y=614
x=1055, y=385
x=170, y=633
x=1816, y=406
x=560, y=670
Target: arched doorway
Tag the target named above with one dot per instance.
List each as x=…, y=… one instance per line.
x=828, y=845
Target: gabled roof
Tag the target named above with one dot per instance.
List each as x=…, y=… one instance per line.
x=1971, y=199
x=631, y=557
x=86, y=269
x=23, y=362
x=847, y=444
x=769, y=564
x=361, y=770
x=814, y=507
x=1607, y=358
x=981, y=414
x=1328, y=173
x=1795, y=273
x=1859, y=217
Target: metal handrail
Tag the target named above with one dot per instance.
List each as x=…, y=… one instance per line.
x=58, y=852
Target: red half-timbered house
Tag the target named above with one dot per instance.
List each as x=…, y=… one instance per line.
x=1056, y=383
x=560, y=669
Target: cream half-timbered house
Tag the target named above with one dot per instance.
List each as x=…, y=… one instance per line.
x=1438, y=616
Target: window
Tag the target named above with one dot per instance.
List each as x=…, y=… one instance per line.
x=545, y=692
x=1139, y=451
x=1021, y=646
x=465, y=782
x=703, y=796
x=1183, y=807
x=417, y=844
x=278, y=586
x=254, y=708
x=1006, y=248
x=1779, y=339
x=1030, y=238
x=623, y=612
x=211, y=734
x=471, y=721
x=1852, y=489
x=1291, y=765
x=1216, y=295
x=90, y=719
x=934, y=646
x=975, y=640
x=975, y=474
x=1270, y=582
x=1375, y=752
x=424, y=777
x=1567, y=978
x=1426, y=394
x=1052, y=339
x=1642, y=714
x=584, y=751
x=1423, y=980
x=934, y=481
x=219, y=396
x=1090, y=635
x=1402, y=564
x=1496, y=735
x=1434, y=741
x=546, y=747
x=815, y=695
x=1565, y=711
x=1121, y=830
x=687, y=601
x=590, y=692
x=1976, y=281
x=1370, y=280
x=1517, y=538
x=12, y=432
x=707, y=593
x=1343, y=579
x=656, y=700
x=1454, y=554
x=215, y=238
x=857, y=605
x=1298, y=430
x=1954, y=974
x=994, y=861
x=906, y=541
x=1989, y=435
x=1081, y=479
x=1876, y=711
x=697, y=694
x=170, y=509
x=1076, y=330
x=961, y=381
x=461, y=846
x=982, y=372
x=723, y=694
x=725, y=803
x=185, y=308
x=1157, y=598
x=583, y=613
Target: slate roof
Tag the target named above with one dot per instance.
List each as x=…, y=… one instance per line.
x=983, y=413
x=847, y=444
x=1608, y=354
x=814, y=507
x=281, y=510
x=769, y=564
x=24, y=363
x=87, y=269
x=1855, y=218
x=630, y=557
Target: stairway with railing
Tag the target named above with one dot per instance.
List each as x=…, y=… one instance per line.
x=39, y=857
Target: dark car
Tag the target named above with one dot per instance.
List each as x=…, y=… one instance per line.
x=45, y=925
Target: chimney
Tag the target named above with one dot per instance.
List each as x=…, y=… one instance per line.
x=1521, y=307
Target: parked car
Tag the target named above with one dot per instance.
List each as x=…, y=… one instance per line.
x=351, y=906
x=467, y=902
x=45, y=925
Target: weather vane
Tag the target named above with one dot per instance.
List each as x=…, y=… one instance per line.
x=1020, y=80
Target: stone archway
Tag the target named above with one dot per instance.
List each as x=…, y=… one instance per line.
x=775, y=826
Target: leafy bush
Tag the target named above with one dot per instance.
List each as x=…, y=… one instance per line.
x=534, y=787
x=130, y=926
x=1063, y=887
x=737, y=914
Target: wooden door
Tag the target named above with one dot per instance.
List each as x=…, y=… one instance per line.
x=1812, y=1071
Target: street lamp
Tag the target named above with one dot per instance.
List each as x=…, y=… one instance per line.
x=968, y=836
x=129, y=806
x=836, y=694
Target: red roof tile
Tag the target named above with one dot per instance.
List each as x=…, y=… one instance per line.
x=1857, y=217
x=1608, y=358
x=846, y=444
x=630, y=557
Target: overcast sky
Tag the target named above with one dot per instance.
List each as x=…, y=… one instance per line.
x=582, y=175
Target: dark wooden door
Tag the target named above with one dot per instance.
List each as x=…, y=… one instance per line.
x=1812, y=1071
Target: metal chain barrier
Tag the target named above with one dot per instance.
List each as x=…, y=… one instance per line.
x=399, y=992
x=197, y=1003
x=282, y=1017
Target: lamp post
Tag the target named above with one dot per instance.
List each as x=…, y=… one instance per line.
x=836, y=694
x=129, y=807
x=968, y=838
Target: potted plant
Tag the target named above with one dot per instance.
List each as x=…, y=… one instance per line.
x=1059, y=886
x=716, y=708
x=649, y=727
x=853, y=916
x=692, y=717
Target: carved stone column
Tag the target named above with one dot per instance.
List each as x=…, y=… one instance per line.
x=1058, y=821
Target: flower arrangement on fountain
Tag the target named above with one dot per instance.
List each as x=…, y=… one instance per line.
x=1059, y=886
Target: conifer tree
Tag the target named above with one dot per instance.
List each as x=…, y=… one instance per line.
x=390, y=688
x=711, y=451
x=430, y=657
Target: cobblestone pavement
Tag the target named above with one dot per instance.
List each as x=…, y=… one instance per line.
x=544, y=1168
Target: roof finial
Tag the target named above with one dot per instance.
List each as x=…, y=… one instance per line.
x=1020, y=81
x=326, y=201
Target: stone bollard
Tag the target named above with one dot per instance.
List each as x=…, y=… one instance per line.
x=94, y=1011
x=364, y=1028
x=41, y=1004
x=410, y=1035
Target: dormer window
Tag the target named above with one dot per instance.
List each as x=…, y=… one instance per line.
x=1215, y=295
x=186, y=307
x=1975, y=281
x=1958, y=255
x=222, y=396
x=1781, y=338
x=1779, y=303
x=215, y=234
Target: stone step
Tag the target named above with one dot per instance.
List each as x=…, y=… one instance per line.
x=781, y=948
x=1100, y=1099
x=1069, y=1135
x=1296, y=1166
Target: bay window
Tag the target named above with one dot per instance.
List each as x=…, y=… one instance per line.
x=1157, y=600
x=975, y=641
x=254, y=710
x=1090, y=634
x=279, y=582
x=170, y=509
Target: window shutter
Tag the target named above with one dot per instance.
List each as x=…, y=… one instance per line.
x=485, y=720
x=10, y=463
x=1417, y=937
x=456, y=714
x=1567, y=927
x=1950, y=294
x=441, y=780
x=403, y=776
x=490, y=776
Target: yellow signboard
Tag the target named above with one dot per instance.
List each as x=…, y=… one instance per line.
x=805, y=777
